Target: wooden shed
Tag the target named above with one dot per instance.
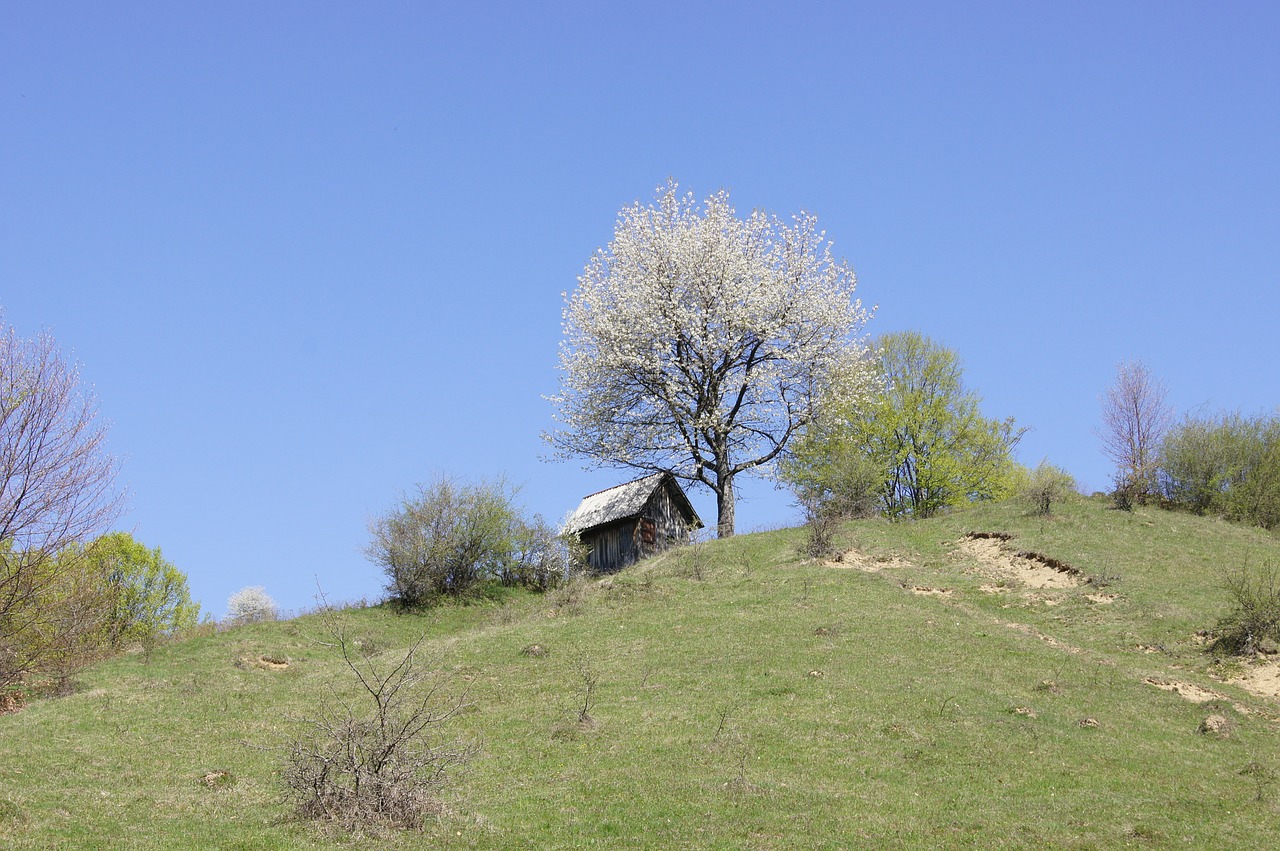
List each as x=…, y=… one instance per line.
x=629, y=522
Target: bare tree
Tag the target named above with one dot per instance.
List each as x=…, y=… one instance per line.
x=57, y=480
x=1135, y=417
x=699, y=343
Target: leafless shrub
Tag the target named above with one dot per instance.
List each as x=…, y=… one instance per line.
x=589, y=678
x=697, y=553
x=382, y=767
x=823, y=520
x=1135, y=416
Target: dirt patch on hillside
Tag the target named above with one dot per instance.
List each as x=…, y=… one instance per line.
x=995, y=557
x=855, y=560
x=1187, y=691
x=929, y=592
x=266, y=663
x=1047, y=639
x=1260, y=678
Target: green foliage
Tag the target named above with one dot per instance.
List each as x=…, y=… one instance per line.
x=1254, y=618
x=1044, y=486
x=147, y=596
x=90, y=601
x=1227, y=465
x=920, y=444
x=63, y=621
x=450, y=536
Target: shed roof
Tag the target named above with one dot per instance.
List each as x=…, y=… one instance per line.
x=621, y=502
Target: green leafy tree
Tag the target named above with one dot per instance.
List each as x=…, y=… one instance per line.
x=147, y=597
x=1044, y=486
x=923, y=434
x=1227, y=465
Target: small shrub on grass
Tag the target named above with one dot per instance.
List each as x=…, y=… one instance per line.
x=1046, y=485
x=251, y=605
x=822, y=522
x=384, y=767
x=1255, y=618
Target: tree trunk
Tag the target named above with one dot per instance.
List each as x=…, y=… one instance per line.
x=724, y=505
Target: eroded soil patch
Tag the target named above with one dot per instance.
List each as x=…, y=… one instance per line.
x=929, y=592
x=1260, y=678
x=991, y=551
x=1187, y=691
x=853, y=559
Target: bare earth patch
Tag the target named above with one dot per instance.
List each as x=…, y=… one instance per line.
x=871, y=564
x=268, y=663
x=1047, y=639
x=1101, y=599
x=1031, y=569
x=1260, y=678
x=1187, y=691
x=931, y=592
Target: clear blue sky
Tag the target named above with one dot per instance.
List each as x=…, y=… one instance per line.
x=310, y=254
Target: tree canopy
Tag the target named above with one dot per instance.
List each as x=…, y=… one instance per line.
x=57, y=482
x=919, y=443
x=699, y=343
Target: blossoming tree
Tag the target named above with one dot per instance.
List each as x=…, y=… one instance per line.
x=698, y=342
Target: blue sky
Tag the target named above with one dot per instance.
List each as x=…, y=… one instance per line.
x=310, y=254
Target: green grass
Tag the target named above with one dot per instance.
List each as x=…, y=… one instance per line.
x=771, y=704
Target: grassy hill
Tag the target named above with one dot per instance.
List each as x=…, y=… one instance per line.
x=922, y=693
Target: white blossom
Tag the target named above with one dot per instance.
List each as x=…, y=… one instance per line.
x=699, y=343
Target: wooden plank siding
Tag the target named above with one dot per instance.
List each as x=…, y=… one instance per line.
x=662, y=520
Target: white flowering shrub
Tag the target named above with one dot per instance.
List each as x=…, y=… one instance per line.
x=700, y=343
x=251, y=605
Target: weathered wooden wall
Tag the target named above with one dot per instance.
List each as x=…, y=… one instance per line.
x=661, y=524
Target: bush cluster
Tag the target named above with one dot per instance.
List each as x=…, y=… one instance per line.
x=250, y=605
x=87, y=602
x=378, y=759
x=1254, y=620
x=1227, y=465
x=1046, y=485
x=450, y=536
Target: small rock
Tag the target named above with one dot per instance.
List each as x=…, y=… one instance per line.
x=1089, y=722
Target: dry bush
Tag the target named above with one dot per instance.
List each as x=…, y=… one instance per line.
x=1255, y=617
x=384, y=767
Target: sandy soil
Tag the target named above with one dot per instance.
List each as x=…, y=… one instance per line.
x=996, y=559
x=1187, y=691
x=854, y=560
x=927, y=591
x=1261, y=678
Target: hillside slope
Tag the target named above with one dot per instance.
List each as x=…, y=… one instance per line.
x=925, y=691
